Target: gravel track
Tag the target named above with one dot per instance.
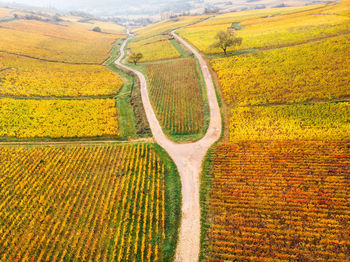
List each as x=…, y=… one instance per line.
x=188, y=157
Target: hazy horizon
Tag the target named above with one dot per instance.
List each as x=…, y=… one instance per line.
x=108, y=6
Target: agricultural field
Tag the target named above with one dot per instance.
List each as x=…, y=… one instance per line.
x=153, y=41
x=287, y=75
x=278, y=201
x=282, y=27
x=21, y=76
x=154, y=48
x=88, y=203
x=325, y=121
x=177, y=96
x=54, y=42
x=59, y=31
x=58, y=118
x=5, y=13
x=276, y=187
x=106, y=27
x=167, y=25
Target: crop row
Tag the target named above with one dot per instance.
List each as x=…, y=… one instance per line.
x=294, y=74
x=177, y=96
x=270, y=28
x=154, y=48
x=325, y=121
x=55, y=42
x=21, y=76
x=82, y=203
x=279, y=201
x=58, y=118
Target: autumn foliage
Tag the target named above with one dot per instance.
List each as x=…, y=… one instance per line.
x=58, y=118
x=21, y=76
x=279, y=201
x=177, y=96
x=82, y=203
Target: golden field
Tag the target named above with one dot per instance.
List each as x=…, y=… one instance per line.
x=106, y=27
x=55, y=42
x=153, y=40
x=58, y=118
x=325, y=121
x=96, y=203
x=262, y=29
x=154, y=48
x=308, y=72
x=21, y=76
x=167, y=25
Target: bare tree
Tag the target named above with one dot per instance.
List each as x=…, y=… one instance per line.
x=225, y=40
x=135, y=57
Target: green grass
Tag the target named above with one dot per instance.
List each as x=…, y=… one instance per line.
x=173, y=199
x=132, y=118
x=181, y=49
x=126, y=119
x=233, y=53
x=206, y=186
x=237, y=26
x=182, y=138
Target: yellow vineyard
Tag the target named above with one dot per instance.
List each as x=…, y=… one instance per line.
x=153, y=41
x=88, y=203
x=55, y=42
x=154, y=48
x=287, y=75
x=328, y=122
x=58, y=118
x=265, y=29
x=21, y=76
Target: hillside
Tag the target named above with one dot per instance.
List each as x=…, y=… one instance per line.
x=158, y=146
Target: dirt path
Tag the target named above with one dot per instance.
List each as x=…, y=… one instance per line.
x=187, y=157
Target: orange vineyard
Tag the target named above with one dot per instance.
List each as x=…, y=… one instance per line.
x=279, y=201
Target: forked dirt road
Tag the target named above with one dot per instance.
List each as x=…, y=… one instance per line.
x=187, y=157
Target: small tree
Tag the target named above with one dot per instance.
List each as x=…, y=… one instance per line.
x=225, y=40
x=135, y=57
x=97, y=29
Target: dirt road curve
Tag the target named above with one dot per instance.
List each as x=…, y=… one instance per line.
x=187, y=157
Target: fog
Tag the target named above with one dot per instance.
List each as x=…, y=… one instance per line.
x=110, y=6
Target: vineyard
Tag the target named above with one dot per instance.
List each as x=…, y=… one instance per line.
x=59, y=31
x=177, y=96
x=23, y=76
x=167, y=25
x=55, y=42
x=5, y=13
x=58, y=118
x=106, y=27
x=287, y=75
x=278, y=201
x=327, y=121
x=273, y=27
x=154, y=48
x=86, y=203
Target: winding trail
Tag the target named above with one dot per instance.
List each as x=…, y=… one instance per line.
x=188, y=158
